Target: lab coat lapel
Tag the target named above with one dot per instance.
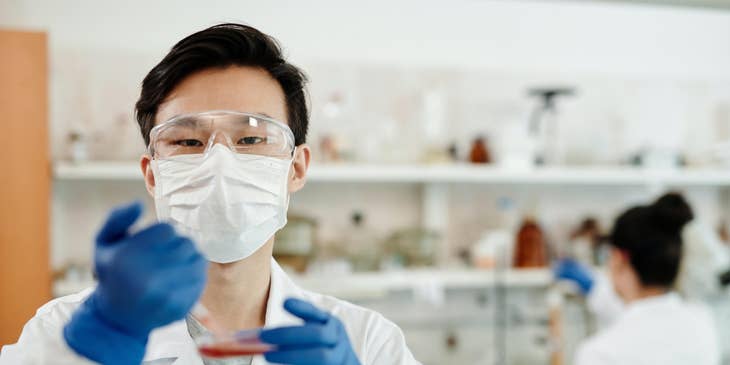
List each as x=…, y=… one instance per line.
x=280, y=289
x=173, y=342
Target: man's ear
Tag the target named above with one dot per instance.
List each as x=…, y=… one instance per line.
x=618, y=259
x=149, y=177
x=300, y=166
x=624, y=258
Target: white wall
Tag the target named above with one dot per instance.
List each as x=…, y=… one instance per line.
x=564, y=36
x=100, y=51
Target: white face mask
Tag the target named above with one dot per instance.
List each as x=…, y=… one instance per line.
x=229, y=203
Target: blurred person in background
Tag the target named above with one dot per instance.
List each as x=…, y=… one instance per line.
x=643, y=320
x=225, y=118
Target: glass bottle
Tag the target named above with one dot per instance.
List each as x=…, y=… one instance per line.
x=530, y=250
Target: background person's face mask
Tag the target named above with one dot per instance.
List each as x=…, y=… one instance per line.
x=230, y=203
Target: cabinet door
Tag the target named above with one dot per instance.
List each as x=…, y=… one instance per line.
x=25, y=280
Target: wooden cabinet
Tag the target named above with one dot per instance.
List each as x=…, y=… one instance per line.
x=25, y=180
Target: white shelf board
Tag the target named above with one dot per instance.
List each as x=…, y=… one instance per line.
x=377, y=284
x=97, y=170
x=371, y=284
x=459, y=173
x=464, y=173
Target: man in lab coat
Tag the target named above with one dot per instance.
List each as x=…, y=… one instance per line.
x=645, y=321
x=225, y=119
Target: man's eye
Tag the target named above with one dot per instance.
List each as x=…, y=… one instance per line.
x=189, y=143
x=251, y=140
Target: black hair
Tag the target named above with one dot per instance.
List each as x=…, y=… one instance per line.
x=220, y=46
x=652, y=237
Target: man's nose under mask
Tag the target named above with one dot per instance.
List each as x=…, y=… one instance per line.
x=229, y=203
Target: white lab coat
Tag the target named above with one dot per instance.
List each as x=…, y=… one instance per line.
x=704, y=258
x=374, y=339
x=659, y=330
x=603, y=301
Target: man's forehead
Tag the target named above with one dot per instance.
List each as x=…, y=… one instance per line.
x=242, y=89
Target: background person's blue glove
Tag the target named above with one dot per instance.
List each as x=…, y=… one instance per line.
x=322, y=340
x=571, y=270
x=146, y=280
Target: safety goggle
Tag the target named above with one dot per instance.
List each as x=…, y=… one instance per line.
x=242, y=132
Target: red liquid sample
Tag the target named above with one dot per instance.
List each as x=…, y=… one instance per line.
x=221, y=350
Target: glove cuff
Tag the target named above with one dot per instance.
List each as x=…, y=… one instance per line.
x=586, y=285
x=92, y=337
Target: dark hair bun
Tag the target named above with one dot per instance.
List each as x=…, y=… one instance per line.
x=671, y=212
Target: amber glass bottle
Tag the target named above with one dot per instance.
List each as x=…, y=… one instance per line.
x=479, y=151
x=530, y=250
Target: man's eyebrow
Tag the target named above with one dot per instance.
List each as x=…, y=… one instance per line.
x=190, y=119
x=185, y=120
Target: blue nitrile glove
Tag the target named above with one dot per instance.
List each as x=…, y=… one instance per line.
x=146, y=280
x=568, y=269
x=322, y=340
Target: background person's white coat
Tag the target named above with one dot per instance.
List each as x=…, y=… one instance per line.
x=658, y=330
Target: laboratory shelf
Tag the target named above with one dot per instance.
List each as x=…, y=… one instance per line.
x=453, y=173
x=466, y=173
x=97, y=170
x=425, y=282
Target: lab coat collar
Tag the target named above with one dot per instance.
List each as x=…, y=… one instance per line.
x=280, y=289
x=174, y=341
x=649, y=304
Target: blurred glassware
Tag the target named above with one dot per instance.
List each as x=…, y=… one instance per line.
x=414, y=246
x=380, y=140
x=435, y=155
x=507, y=214
x=488, y=251
x=362, y=245
x=479, y=151
x=453, y=152
x=531, y=249
x=79, y=147
x=329, y=149
x=336, y=116
x=543, y=124
x=332, y=108
x=515, y=147
x=495, y=248
x=330, y=259
x=432, y=121
x=295, y=242
x=658, y=158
